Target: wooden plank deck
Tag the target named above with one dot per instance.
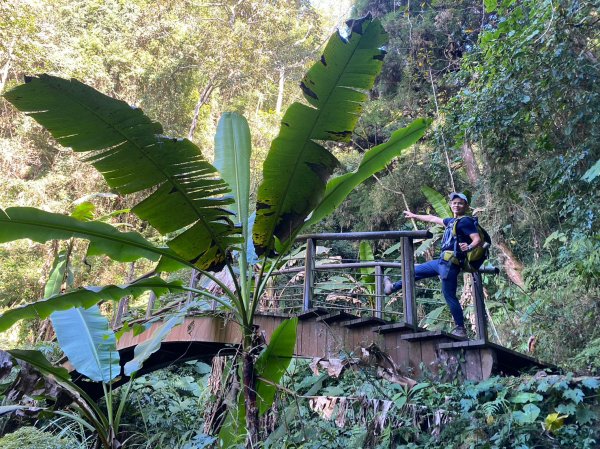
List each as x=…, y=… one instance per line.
x=331, y=335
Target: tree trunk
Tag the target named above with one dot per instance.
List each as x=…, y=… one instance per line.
x=6, y=68
x=204, y=97
x=151, y=303
x=280, y=91
x=512, y=266
x=470, y=163
x=466, y=298
x=123, y=306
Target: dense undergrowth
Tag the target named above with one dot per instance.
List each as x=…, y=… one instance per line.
x=168, y=409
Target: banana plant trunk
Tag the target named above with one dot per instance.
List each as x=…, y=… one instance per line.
x=251, y=347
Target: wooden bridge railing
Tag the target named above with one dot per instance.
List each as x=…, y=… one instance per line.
x=405, y=267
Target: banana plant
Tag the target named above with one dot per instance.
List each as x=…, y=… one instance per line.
x=90, y=345
x=203, y=208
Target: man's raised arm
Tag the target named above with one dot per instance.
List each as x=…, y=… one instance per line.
x=427, y=218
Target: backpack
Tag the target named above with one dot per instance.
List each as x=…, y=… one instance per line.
x=474, y=258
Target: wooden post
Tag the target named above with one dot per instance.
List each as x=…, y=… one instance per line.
x=309, y=273
x=481, y=330
x=408, y=282
x=379, y=295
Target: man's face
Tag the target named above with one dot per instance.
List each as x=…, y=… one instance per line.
x=458, y=206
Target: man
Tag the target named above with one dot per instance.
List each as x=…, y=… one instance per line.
x=467, y=238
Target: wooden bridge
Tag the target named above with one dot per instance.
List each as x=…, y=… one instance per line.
x=328, y=329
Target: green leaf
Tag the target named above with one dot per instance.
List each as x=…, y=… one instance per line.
x=374, y=160
x=297, y=168
x=233, y=147
x=139, y=328
x=432, y=317
x=524, y=398
x=85, y=297
x=88, y=342
x=37, y=359
x=438, y=201
x=41, y=226
x=585, y=414
x=274, y=360
x=591, y=383
x=566, y=409
x=490, y=5
x=367, y=275
x=84, y=211
x=528, y=415
x=592, y=173
x=131, y=153
x=57, y=275
x=233, y=431
x=575, y=395
x=144, y=350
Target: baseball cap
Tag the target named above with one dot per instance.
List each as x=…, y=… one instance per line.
x=462, y=196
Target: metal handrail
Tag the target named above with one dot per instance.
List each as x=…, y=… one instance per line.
x=371, y=235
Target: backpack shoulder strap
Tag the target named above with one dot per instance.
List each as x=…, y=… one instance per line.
x=455, y=225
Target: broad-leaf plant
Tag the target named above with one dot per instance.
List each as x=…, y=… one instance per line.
x=204, y=210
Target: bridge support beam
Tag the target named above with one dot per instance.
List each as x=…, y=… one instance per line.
x=379, y=294
x=482, y=334
x=408, y=283
x=309, y=274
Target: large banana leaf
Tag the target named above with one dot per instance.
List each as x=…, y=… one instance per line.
x=144, y=350
x=297, y=168
x=61, y=375
x=85, y=297
x=438, y=201
x=373, y=161
x=37, y=359
x=41, y=226
x=233, y=147
x=232, y=160
x=88, y=342
x=132, y=155
x=274, y=360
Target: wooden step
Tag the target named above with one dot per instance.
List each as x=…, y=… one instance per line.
x=395, y=327
x=313, y=313
x=507, y=361
x=335, y=317
x=431, y=335
x=370, y=321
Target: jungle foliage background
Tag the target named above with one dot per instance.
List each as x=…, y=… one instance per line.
x=512, y=87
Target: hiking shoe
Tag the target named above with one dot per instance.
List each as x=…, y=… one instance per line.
x=388, y=287
x=459, y=331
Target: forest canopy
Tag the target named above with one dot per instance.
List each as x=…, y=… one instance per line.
x=511, y=89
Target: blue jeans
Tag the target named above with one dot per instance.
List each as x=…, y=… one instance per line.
x=448, y=272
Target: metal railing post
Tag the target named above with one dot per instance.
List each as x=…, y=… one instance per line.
x=481, y=321
x=408, y=282
x=379, y=295
x=309, y=273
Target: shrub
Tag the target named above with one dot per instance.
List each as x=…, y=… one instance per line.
x=30, y=437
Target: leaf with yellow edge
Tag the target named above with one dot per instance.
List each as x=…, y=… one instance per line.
x=554, y=422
